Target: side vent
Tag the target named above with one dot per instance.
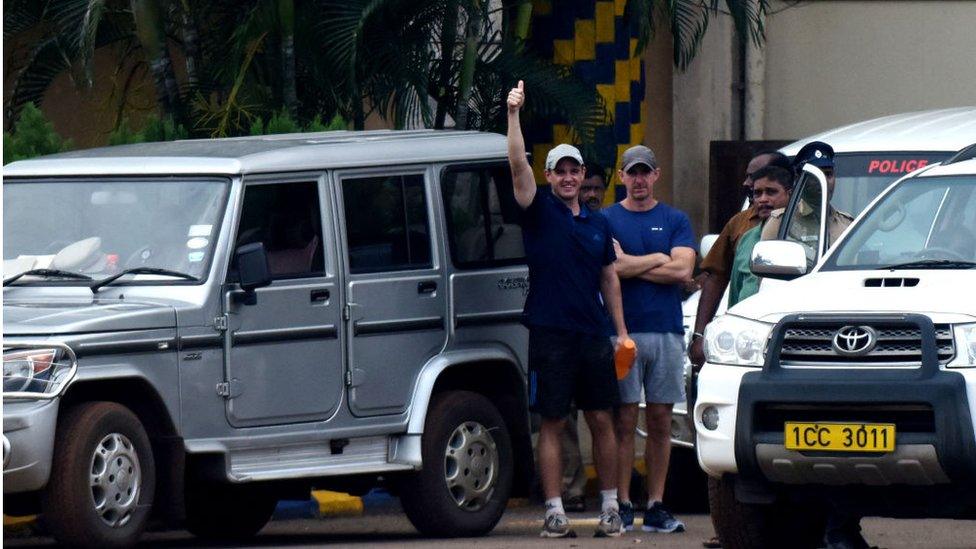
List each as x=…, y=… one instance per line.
x=890, y=282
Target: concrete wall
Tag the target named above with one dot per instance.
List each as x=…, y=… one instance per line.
x=705, y=109
x=830, y=63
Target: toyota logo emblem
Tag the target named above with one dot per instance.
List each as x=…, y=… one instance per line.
x=855, y=340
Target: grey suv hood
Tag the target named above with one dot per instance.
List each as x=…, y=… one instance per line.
x=37, y=318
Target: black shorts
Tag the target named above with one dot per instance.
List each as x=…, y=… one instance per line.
x=567, y=367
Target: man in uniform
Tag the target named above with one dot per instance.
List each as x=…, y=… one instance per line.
x=807, y=222
x=571, y=257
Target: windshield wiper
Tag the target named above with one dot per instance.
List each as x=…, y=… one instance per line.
x=139, y=270
x=931, y=264
x=46, y=273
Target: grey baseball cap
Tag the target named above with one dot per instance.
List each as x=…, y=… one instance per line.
x=638, y=154
x=561, y=151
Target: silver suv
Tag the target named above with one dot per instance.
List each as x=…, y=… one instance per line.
x=194, y=330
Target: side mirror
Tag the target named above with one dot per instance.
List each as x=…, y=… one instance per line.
x=707, y=242
x=252, y=268
x=781, y=259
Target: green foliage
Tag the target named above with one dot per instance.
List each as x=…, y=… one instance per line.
x=32, y=135
x=124, y=134
x=282, y=122
x=154, y=130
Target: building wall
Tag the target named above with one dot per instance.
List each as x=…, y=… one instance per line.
x=830, y=63
x=704, y=110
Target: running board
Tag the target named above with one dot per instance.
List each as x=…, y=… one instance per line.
x=315, y=459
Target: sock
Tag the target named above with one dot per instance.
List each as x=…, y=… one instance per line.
x=652, y=502
x=608, y=500
x=554, y=506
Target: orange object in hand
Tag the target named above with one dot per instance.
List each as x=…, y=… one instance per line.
x=623, y=360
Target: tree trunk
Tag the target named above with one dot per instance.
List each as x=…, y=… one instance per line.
x=448, y=39
x=191, y=44
x=151, y=32
x=523, y=20
x=469, y=60
x=286, y=22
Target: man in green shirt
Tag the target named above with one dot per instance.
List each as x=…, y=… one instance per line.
x=771, y=191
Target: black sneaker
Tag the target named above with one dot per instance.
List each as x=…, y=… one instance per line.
x=659, y=519
x=627, y=515
x=557, y=526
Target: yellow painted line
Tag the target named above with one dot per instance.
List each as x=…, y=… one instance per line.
x=333, y=504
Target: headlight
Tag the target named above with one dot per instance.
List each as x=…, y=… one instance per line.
x=965, y=335
x=36, y=371
x=736, y=341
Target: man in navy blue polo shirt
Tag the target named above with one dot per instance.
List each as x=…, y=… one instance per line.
x=570, y=255
x=655, y=257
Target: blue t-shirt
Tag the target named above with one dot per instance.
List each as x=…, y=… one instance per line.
x=566, y=255
x=651, y=307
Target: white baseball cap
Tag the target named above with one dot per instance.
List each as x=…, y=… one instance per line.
x=561, y=151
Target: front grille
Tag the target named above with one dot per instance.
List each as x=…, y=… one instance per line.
x=897, y=345
x=907, y=418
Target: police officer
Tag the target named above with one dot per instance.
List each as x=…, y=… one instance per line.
x=821, y=155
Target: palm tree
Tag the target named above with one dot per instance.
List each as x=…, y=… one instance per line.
x=416, y=62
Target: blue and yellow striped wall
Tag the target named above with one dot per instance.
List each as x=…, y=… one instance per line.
x=598, y=43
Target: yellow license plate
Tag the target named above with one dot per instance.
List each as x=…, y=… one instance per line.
x=840, y=437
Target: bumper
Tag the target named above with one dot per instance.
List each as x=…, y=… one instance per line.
x=930, y=406
x=28, y=431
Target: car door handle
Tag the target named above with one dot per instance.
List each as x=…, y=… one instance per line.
x=320, y=296
x=426, y=287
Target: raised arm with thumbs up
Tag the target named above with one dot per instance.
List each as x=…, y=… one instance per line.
x=522, y=178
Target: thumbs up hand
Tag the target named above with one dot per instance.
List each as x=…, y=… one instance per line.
x=516, y=97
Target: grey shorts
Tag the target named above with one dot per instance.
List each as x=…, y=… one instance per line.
x=658, y=370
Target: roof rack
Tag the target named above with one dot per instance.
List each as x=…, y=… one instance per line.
x=967, y=153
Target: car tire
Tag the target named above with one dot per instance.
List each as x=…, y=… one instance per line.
x=227, y=512
x=467, y=473
x=762, y=526
x=103, y=477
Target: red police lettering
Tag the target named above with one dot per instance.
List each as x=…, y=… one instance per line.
x=895, y=166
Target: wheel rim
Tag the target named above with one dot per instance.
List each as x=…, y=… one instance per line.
x=471, y=465
x=115, y=479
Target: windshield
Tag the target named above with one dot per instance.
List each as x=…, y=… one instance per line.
x=929, y=219
x=99, y=228
x=863, y=176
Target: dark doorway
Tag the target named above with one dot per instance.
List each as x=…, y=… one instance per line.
x=726, y=170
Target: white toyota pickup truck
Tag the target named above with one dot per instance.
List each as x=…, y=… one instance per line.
x=852, y=387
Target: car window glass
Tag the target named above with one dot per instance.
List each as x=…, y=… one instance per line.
x=926, y=218
x=483, y=223
x=284, y=217
x=803, y=226
x=387, y=227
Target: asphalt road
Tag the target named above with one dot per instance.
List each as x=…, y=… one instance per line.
x=520, y=528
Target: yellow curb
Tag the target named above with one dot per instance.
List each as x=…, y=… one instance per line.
x=514, y=503
x=19, y=525
x=332, y=504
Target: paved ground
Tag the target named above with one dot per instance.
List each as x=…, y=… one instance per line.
x=520, y=527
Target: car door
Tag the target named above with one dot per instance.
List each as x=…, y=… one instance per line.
x=805, y=219
x=284, y=351
x=396, y=310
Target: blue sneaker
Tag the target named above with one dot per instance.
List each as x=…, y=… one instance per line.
x=627, y=515
x=659, y=519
